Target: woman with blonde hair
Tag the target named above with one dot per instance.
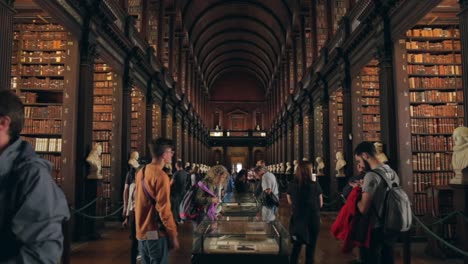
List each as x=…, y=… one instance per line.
x=209, y=192
x=306, y=199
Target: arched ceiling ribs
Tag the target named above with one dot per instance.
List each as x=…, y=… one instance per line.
x=237, y=68
x=237, y=33
x=260, y=54
x=229, y=38
x=254, y=6
x=209, y=66
x=225, y=22
x=240, y=62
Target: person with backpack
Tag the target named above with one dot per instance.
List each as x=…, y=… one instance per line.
x=385, y=202
x=32, y=206
x=156, y=229
x=209, y=193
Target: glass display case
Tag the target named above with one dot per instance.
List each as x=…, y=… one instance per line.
x=240, y=205
x=231, y=241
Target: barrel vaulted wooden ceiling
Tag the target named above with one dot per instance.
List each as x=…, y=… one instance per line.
x=228, y=36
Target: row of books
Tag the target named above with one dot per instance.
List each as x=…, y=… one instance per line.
x=104, y=84
x=103, y=108
x=44, y=44
x=103, y=77
x=371, y=127
x=421, y=181
x=56, y=167
x=435, y=125
x=373, y=110
x=431, y=143
x=103, y=125
x=430, y=58
x=43, y=112
x=98, y=116
x=446, y=45
x=103, y=100
x=43, y=35
x=370, y=100
x=42, y=57
x=45, y=144
x=435, y=70
x=420, y=205
x=40, y=83
x=434, y=32
x=371, y=136
x=40, y=27
x=432, y=161
x=371, y=118
x=41, y=70
x=28, y=98
x=426, y=110
x=434, y=82
x=42, y=126
x=106, y=159
x=436, y=96
x=102, y=135
x=106, y=147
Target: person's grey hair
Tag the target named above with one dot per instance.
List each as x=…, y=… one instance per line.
x=217, y=171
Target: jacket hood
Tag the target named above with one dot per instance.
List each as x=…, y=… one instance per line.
x=17, y=153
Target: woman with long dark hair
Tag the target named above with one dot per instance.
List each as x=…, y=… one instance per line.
x=305, y=196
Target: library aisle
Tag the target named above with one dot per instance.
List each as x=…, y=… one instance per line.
x=114, y=246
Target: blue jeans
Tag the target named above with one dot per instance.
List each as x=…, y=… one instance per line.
x=154, y=251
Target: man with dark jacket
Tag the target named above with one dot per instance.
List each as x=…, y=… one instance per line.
x=178, y=185
x=32, y=207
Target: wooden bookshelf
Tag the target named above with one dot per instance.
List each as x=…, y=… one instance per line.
x=306, y=138
x=138, y=127
x=296, y=142
x=436, y=104
x=338, y=11
x=308, y=41
x=299, y=57
x=105, y=86
x=135, y=10
x=153, y=24
x=42, y=52
x=318, y=132
x=336, y=121
x=322, y=26
x=165, y=54
x=156, y=121
x=365, y=97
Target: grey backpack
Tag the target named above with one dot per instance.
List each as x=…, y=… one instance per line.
x=396, y=216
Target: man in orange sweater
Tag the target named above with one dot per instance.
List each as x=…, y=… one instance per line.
x=156, y=230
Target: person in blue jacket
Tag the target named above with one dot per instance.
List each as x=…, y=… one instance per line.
x=32, y=206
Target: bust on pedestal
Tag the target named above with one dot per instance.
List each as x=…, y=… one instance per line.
x=340, y=164
x=288, y=168
x=133, y=161
x=320, y=166
x=94, y=161
x=380, y=155
x=460, y=156
x=296, y=163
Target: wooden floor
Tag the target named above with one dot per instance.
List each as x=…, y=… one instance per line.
x=114, y=246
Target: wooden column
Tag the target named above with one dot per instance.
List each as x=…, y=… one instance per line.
x=171, y=45
x=326, y=139
x=84, y=229
x=149, y=117
x=347, y=116
x=284, y=140
x=290, y=141
x=300, y=140
x=388, y=121
x=311, y=118
x=185, y=147
x=313, y=29
x=6, y=39
x=164, y=117
x=175, y=123
x=302, y=39
x=463, y=17
x=126, y=121
x=160, y=47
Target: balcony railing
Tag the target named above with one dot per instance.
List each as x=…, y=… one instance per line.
x=214, y=133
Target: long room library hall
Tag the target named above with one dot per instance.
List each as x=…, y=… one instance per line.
x=273, y=118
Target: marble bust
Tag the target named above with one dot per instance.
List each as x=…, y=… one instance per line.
x=281, y=168
x=133, y=161
x=296, y=164
x=380, y=155
x=460, y=155
x=288, y=168
x=340, y=164
x=320, y=166
x=94, y=161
